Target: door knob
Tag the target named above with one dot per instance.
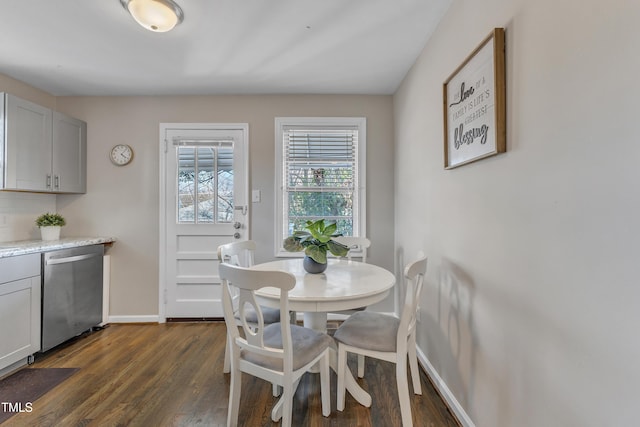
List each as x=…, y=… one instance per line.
x=237, y=225
x=236, y=235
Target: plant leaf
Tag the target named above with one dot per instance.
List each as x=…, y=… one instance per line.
x=317, y=253
x=291, y=244
x=338, y=249
x=330, y=229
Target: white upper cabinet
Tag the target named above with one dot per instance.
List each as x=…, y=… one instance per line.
x=69, y=154
x=28, y=145
x=43, y=150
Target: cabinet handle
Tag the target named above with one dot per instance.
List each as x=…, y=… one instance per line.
x=48, y=181
x=57, y=182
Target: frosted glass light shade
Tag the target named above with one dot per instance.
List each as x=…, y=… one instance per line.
x=154, y=15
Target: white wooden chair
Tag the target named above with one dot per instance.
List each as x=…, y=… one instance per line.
x=387, y=338
x=241, y=253
x=359, y=246
x=279, y=353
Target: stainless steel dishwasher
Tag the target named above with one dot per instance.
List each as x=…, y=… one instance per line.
x=71, y=293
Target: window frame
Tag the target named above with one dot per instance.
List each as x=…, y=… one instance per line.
x=359, y=218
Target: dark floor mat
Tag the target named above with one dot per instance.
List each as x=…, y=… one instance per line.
x=19, y=390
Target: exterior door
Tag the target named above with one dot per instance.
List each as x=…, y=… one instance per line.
x=203, y=205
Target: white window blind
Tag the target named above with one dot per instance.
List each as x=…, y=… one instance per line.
x=321, y=159
x=320, y=175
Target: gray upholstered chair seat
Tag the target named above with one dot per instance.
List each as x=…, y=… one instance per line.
x=366, y=329
x=269, y=315
x=307, y=343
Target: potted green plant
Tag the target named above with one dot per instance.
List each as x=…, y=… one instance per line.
x=50, y=224
x=315, y=240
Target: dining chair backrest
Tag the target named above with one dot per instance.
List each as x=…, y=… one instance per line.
x=357, y=246
x=237, y=253
x=240, y=253
x=414, y=277
x=246, y=282
x=267, y=352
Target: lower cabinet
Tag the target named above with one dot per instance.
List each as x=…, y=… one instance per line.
x=20, y=295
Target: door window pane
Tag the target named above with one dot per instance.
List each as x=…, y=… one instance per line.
x=186, y=188
x=225, y=184
x=205, y=184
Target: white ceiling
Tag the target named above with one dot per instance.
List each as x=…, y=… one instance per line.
x=94, y=47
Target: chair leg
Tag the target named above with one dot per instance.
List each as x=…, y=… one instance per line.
x=276, y=412
x=275, y=390
x=234, y=398
x=413, y=366
x=361, y=366
x=342, y=366
x=227, y=357
x=403, y=390
x=325, y=385
x=287, y=407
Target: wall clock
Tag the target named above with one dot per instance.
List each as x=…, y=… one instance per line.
x=121, y=154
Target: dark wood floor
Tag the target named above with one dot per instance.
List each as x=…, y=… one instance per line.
x=171, y=375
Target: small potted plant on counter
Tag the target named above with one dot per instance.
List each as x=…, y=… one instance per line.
x=315, y=240
x=50, y=224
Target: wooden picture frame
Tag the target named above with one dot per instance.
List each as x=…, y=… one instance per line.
x=475, y=105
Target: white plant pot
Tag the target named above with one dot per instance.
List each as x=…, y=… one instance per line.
x=50, y=233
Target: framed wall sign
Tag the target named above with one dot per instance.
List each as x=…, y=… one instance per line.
x=474, y=105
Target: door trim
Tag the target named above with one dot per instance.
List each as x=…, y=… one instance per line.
x=162, y=150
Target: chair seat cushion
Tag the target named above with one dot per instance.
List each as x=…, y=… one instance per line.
x=370, y=331
x=269, y=315
x=307, y=344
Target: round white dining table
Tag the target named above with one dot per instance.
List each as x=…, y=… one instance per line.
x=344, y=285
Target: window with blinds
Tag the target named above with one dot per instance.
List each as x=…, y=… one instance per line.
x=320, y=174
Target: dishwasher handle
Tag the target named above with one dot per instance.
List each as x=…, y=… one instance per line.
x=53, y=261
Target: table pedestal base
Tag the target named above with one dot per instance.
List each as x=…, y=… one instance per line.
x=315, y=320
x=318, y=322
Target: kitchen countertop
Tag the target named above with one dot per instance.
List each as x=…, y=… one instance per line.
x=23, y=247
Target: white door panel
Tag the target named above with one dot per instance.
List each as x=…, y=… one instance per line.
x=203, y=205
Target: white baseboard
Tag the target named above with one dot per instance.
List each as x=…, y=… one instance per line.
x=134, y=319
x=442, y=387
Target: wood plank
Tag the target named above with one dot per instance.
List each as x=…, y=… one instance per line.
x=171, y=375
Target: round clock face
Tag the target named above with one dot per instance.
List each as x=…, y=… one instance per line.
x=121, y=154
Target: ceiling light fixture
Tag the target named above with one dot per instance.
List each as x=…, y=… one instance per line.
x=154, y=15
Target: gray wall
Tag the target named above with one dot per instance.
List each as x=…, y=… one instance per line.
x=531, y=315
x=123, y=202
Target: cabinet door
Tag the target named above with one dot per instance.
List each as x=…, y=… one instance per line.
x=28, y=145
x=69, y=154
x=19, y=320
